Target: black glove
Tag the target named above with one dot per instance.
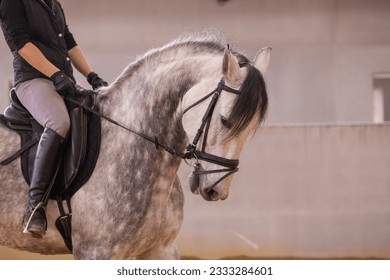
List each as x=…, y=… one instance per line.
x=63, y=84
x=95, y=81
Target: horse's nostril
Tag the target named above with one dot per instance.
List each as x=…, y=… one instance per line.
x=212, y=194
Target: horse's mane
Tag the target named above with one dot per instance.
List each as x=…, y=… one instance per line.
x=253, y=100
x=210, y=40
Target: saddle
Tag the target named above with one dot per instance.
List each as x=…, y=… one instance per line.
x=81, y=150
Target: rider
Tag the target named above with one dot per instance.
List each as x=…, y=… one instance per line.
x=43, y=49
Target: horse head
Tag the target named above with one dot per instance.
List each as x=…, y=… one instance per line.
x=232, y=111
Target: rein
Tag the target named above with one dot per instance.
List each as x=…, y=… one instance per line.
x=144, y=136
x=231, y=165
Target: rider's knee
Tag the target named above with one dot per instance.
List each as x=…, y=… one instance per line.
x=61, y=127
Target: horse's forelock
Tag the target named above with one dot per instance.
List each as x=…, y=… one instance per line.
x=251, y=103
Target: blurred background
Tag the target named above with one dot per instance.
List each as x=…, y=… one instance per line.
x=315, y=182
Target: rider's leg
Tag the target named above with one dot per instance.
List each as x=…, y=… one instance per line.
x=48, y=109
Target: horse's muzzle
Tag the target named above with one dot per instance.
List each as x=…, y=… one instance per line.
x=198, y=185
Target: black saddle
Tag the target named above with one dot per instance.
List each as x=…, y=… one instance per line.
x=80, y=154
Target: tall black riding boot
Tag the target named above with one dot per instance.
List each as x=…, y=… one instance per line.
x=45, y=169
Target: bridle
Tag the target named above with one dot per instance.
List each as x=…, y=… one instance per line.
x=229, y=166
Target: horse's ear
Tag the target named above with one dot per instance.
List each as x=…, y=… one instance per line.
x=262, y=58
x=230, y=67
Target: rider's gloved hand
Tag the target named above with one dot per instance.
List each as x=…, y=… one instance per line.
x=95, y=81
x=63, y=84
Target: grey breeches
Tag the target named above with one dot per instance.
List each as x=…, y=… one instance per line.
x=44, y=103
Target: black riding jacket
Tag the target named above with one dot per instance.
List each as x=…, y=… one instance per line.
x=41, y=22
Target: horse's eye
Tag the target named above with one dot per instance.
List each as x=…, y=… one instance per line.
x=225, y=122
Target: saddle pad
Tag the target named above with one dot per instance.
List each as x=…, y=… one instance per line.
x=91, y=155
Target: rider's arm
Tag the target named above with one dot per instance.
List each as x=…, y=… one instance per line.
x=36, y=59
x=79, y=61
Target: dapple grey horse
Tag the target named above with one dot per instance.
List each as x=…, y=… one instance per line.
x=132, y=206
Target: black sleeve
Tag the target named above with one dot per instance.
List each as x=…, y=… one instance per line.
x=13, y=21
x=69, y=39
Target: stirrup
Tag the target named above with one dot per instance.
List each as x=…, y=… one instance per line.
x=26, y=228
